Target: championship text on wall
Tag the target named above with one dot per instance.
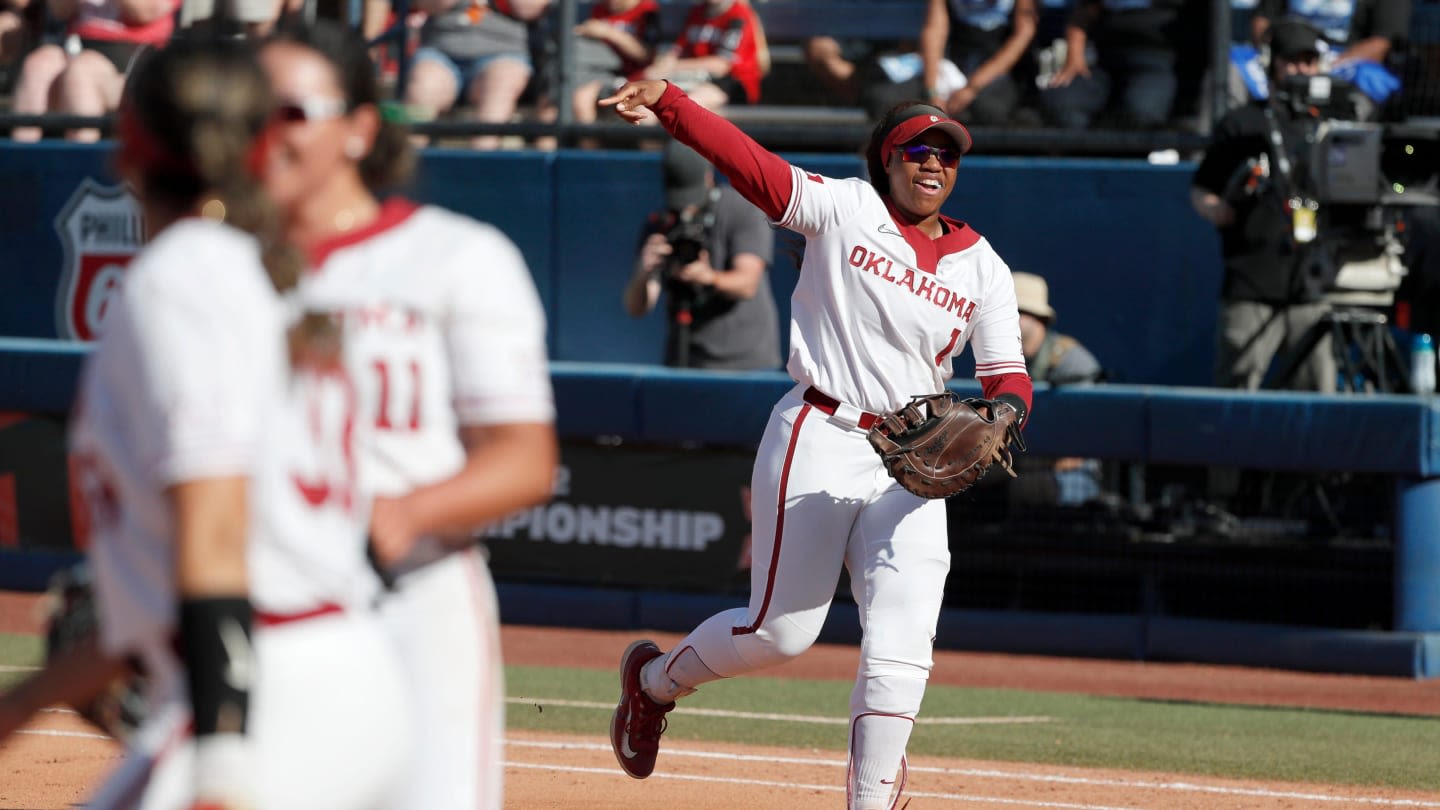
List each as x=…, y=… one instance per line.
x=630, y=516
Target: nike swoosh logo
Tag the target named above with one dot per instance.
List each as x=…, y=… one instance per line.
x=237, y=651
x=887, y=781
x=887, y=229
x=625, y=747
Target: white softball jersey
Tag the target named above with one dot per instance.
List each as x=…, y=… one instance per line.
x=443, y=328
x=877, y=317
x=190, y=380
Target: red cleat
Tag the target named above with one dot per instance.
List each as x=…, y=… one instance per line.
x=639, y=721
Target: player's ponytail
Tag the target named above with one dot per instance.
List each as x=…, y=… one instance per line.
x=194, y=129
x=193, y=126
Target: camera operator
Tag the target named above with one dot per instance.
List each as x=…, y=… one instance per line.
x=708, y=251
x=1369, y=37
x=1253, y=185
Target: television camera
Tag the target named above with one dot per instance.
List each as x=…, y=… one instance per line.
x=1363, y=180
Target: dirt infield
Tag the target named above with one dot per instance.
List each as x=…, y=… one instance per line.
x=49, y=765
x=41, y=772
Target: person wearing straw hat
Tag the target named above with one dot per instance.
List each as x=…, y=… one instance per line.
x=1059, y=360
x=1050, y=356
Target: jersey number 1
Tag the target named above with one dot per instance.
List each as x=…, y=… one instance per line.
x=949, y=347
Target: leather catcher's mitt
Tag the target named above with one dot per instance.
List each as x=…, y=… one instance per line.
x=120, y=708
x=939, y=444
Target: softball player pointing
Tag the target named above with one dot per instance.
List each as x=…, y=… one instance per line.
x=890, y=291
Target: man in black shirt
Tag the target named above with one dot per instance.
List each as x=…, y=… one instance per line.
x=1253, y=186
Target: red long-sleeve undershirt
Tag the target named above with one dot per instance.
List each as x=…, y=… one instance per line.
x=765, y=179
x=1011, y=385
x=761, y=176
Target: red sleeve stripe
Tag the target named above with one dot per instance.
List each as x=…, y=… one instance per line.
x=1007, y=367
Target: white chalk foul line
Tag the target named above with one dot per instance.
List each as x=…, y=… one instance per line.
x=954, y=797
x=995, y=773
x=8, y=668
x=785, y=718
x=84, y=735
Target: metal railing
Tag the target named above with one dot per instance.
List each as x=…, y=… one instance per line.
x=786, y=130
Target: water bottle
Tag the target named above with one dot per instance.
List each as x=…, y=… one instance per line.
x=1422, y=365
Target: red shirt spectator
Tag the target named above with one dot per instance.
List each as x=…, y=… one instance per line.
x=112, y=21
x=641, y=21
x=735, y=34
x=86, y=75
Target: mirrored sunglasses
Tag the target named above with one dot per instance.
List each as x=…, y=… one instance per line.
x=919, y=153
x=309, y=110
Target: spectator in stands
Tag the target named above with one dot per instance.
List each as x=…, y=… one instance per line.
x=255, y=18
x=14, y=36
x=875, y=77
x=617, y=43
x=1057, y=359
x=708, y=250
x=1275, y=273
x=985, y=39
x=1369, y=30
x=1369, y=33
x=1049, y=355
x=475, y=52
x=85, y=74
x=839, y=65
x=1128, y=75
x=720, y=57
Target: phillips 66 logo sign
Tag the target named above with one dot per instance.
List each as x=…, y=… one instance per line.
x=101, y=229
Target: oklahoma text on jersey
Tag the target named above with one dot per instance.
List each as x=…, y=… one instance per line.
x=933, y=291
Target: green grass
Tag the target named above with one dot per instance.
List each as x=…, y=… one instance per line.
x=1220, y=740
x=1299, y=745
x=19, y=651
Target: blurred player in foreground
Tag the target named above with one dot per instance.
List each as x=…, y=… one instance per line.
x=213, y=436
x=890, y=291
x=445, y=338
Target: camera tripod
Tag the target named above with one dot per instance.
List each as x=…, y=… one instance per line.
x=1366, y=356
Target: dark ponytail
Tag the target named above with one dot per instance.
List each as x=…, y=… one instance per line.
x=192, y=125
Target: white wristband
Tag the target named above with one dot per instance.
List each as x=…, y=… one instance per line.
x=224, y=769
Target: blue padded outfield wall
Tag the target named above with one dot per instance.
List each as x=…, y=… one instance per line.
x=1133, y=272
x=574, y=562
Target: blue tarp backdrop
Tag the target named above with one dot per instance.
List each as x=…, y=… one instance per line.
x=1133, y=272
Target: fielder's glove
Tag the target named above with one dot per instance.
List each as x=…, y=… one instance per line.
x=939, y=445
x=120, y=709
